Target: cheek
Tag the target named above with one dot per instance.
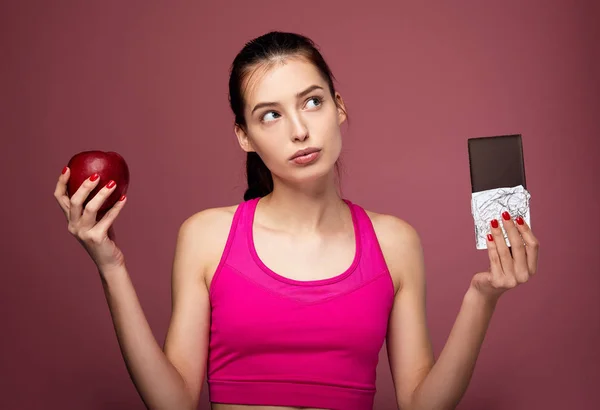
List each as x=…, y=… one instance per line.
x=265, y=139
x=330, y=129
x=269, y=146
x=336, y=144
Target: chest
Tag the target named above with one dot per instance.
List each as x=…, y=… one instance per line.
x=305, y=258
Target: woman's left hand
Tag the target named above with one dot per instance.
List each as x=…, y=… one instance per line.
x=507, y=271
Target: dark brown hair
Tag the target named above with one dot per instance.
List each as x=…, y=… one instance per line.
x=268, y=48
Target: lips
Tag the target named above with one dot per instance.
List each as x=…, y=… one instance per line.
x=304, y=152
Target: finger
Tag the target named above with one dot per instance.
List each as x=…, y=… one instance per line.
x=521, y=271
x=531, y=245
x=93, y=206
x=506, y=259
x=60, y=191
x=105, y=224
x=79, y=197
x=495, y=264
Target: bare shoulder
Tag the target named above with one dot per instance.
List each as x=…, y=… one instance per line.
x=401, y=246
x=209, y=221
x=204, y=234
x=392, y=229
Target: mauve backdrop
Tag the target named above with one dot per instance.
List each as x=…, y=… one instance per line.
x=149, y=80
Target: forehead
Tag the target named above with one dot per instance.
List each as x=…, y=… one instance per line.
x=280, y=80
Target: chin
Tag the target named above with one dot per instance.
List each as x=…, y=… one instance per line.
x=322, y=169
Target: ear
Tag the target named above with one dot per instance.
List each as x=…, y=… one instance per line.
x=341, y=108
x=243, y=139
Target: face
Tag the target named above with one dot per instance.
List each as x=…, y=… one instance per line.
x=288, y=109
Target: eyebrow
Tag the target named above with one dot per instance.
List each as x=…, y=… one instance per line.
x=299, y=95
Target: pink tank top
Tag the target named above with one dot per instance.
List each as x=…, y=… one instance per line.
x=275, y=341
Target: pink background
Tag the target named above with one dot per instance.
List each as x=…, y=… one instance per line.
x=149, y=80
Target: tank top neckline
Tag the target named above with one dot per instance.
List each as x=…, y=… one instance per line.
x=252, y=204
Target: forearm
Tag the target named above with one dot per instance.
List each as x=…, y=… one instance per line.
x=157, y=381
x=447, y=381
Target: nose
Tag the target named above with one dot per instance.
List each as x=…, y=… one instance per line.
x=299, y=129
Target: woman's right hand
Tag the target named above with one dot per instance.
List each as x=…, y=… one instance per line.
x=97, y=237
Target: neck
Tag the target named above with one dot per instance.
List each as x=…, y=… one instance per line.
x=315, y=206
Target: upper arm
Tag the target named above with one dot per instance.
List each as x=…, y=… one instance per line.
x=408, y=343
x=186, y=342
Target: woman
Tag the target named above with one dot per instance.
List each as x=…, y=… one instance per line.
x=284, y=300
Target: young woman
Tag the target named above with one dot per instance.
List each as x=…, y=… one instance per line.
x=284, y=300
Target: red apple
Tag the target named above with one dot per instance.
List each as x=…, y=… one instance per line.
x=108, y=165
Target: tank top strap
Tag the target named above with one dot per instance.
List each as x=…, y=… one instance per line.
x=245, y=222
x=372, y=259
x=237, y=251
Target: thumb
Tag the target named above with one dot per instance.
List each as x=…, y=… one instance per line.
x=482, y=277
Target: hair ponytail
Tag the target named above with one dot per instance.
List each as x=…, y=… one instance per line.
x=260, y=180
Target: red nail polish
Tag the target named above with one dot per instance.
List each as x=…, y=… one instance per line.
x=490, y=237
x=64, y=170
x=94, y=177
x=494, y=223
x=520, y=220
x=110, y=184
x=506, y=216
x=122, y=198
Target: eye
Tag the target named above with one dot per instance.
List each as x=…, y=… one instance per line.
x=273, y=116
x=316, y=101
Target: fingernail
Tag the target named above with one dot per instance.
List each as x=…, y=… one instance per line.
x=64, y=171
x=490, y=237
x=94, y=177
x=122, y=198
x=520, y=220
x=494, y=223
x=506, y=216
x=110, y=184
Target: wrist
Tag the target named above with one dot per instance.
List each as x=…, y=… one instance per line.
x=475, y=297
x=111, y=271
